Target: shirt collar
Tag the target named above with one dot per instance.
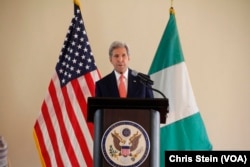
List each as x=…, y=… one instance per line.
x=125, y=74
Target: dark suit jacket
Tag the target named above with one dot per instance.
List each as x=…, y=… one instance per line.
x=107, y=87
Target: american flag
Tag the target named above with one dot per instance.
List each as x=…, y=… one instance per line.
x=62, y=135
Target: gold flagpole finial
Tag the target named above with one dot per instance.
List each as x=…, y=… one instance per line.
x=171, y=10
x=77, y=2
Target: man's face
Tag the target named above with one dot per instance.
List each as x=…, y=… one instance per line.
x=120, y=59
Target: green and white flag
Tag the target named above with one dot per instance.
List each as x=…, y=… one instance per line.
x=184, y=128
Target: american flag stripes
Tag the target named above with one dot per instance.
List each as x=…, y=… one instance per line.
x=62, y=135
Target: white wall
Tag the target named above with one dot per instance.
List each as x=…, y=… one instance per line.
x=215, y=38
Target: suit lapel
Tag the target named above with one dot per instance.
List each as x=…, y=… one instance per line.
x=113, y=85
x=132, y=84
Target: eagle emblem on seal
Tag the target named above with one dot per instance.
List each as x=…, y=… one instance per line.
x=126, y=146
x=125, y=143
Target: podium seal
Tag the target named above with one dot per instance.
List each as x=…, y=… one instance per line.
x=125, y=144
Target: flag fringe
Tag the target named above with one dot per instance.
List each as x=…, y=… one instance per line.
x=38, y=149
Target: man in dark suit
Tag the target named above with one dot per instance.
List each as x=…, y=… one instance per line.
x=108, y=86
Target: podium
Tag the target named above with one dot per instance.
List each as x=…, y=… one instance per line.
x=126, y=130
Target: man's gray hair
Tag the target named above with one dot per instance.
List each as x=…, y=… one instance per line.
x=118, y=44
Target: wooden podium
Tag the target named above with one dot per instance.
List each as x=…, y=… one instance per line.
x=126, y=130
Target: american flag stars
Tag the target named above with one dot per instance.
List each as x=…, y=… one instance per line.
x=76, y=57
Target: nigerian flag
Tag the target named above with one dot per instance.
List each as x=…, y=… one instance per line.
x=184, y=128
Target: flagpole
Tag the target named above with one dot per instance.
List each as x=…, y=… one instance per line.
x=171, y=10
x=172, y=3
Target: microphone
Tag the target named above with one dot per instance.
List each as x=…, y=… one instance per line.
x=145, y=79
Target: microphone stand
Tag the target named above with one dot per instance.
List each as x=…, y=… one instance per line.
x=144, y=82
x=158, y=92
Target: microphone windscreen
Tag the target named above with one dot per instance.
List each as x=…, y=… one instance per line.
x=134, y=73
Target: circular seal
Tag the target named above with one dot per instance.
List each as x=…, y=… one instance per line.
x=125, y=144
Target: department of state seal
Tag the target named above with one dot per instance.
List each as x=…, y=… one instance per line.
x=125, y=144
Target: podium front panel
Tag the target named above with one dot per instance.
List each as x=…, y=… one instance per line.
x=148, y=119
